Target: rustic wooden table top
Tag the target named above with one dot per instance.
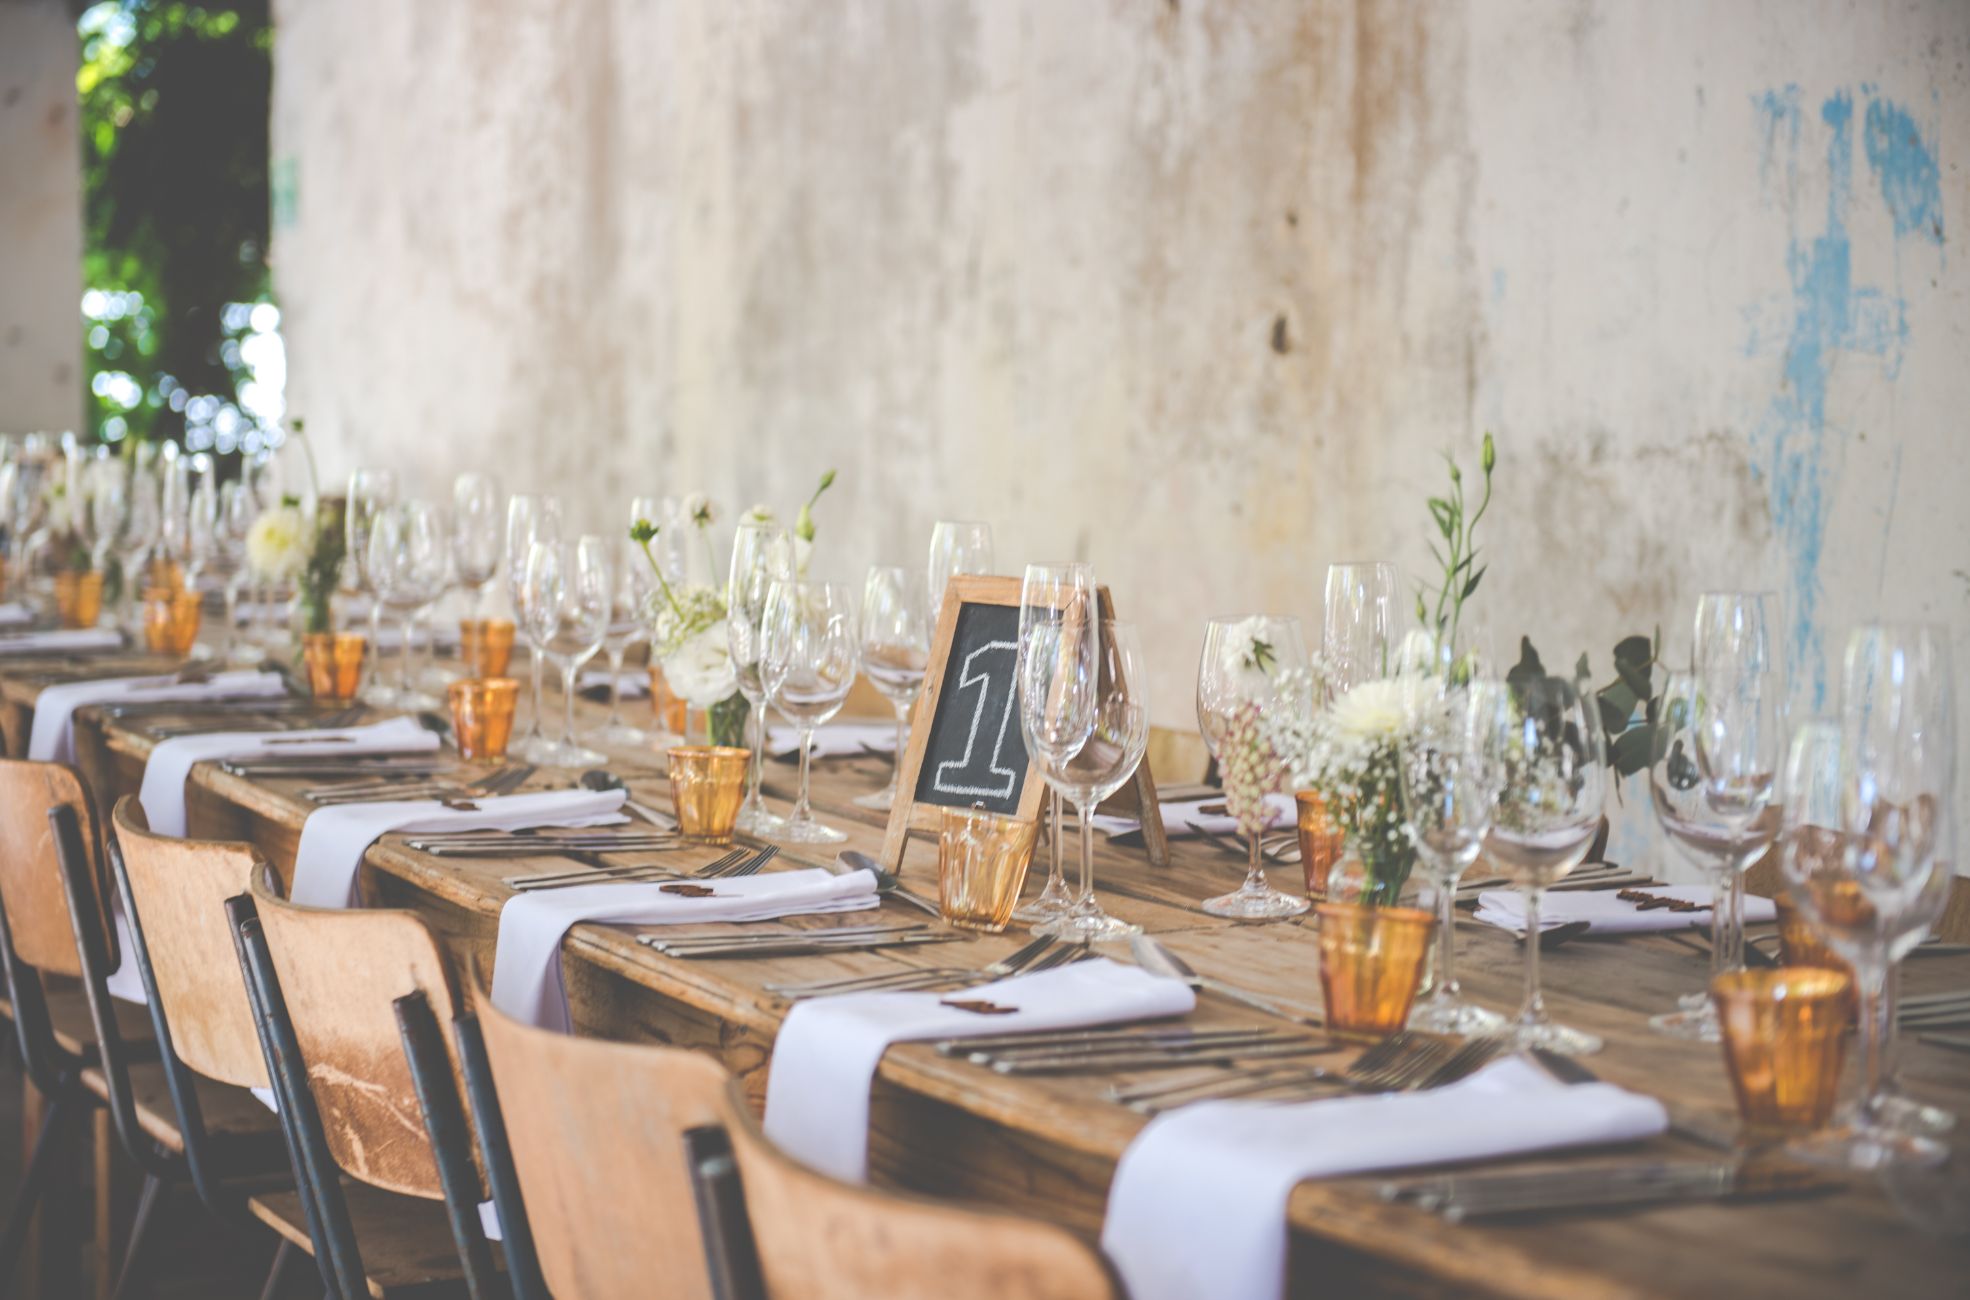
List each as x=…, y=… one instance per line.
x=1047, y=1146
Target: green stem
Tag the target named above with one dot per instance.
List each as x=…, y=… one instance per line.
x=670, y=597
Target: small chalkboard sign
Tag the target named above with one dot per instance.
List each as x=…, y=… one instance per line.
x=966, y=748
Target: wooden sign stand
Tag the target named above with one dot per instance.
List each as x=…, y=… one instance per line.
x=909, y=813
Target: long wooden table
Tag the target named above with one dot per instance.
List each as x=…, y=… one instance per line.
x=1048, y=1147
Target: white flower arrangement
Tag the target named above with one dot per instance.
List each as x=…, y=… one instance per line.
x=687, y=620
x=279, y=543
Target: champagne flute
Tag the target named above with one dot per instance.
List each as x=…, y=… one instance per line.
x=371, y=491
x=1045, y=591
x=1549, y=812
x=762, y=554
x=1359, y=622
x=895, y=655
x=1103, y=762
x=957, y=546
x=632, y=587
x=530, y=517
x=1255, y=664
x=567, y=599
x=476, y=503
x=808, y=662
x=1450, y=777
x=1738, y=747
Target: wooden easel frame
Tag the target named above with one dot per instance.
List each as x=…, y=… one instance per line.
x=907, y=815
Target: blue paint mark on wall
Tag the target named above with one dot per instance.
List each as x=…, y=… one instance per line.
x=1824, y=316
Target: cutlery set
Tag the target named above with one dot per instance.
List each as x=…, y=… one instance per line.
x=432, y=785
x=1091, y=1052
x=1592, y=877
x=1601, y=1185
x=1948, y=1010
x=737, y=863
x=1403, y=1062
x=1041, y=954
x=799, y=943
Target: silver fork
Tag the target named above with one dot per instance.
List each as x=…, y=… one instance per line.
x=750, y=866
x=622, y=875
x=1388, y=1066
x=1017, y=962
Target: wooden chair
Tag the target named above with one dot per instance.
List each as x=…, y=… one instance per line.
x=805, y=1236
x=348, y=1006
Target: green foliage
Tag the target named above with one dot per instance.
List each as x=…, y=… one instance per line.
x=1458, y=553
x=1630, y=707
x=324, y=571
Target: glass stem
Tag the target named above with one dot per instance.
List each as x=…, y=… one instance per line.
x=1733, y=938
x=755, y=763
x=1085, y=901
x=801, y=812
x=902, y=732
x=1446, y=913
x=568, y=703
x=1534, y=1010
x=1255, y=882
x=1874, y=1035
x=615, y=687
x=1722, y=952
x=538, y=663
x=403, y=660
x=1891, y=1002
x=376, y=632
x=232, y=612
x=1055, y=882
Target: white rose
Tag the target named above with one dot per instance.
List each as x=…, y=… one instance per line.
x=700, y=669
x=277, y=543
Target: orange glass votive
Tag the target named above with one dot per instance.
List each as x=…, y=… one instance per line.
x=707, y=784
x=171, y=620
x=1371, y=962
x=485, y=646
x=482, y=715
x=1801, y=944
x=79, y=598
x=334, y=661
x=1321, y=841
x=981, y=865
x=1785, y=1038
x=668, y=706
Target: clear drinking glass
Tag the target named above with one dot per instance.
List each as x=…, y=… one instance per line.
x=371, y=491
x=1549, y=812
x=895, y=654
x=956, y=546
x=1046, y=590
x=407, y=562
x=476, y=520
x=1450, y=779
x=629, y=626
x=567, y=596
x=762, y=554
x=1102, y=762
x=530, y=517
x=1360, y=623
x=139, y=536
x=236, y=513
x=808, y=657
x=1255, y=662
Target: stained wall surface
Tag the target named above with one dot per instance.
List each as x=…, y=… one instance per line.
x=40, y=219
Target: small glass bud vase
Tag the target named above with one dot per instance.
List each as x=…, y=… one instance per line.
x=79, y=598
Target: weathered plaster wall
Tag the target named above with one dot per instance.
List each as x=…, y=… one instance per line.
x=40, y=219
x=1197, y=291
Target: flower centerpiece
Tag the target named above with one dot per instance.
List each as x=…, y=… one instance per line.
x=688, y=633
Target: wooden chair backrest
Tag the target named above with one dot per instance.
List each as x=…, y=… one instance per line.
x=596, y=1129
x=30, y=870
x=820, y=1239
x=180, y=888
x=341, y=973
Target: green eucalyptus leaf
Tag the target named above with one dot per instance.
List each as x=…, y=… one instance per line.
x=1629, y=752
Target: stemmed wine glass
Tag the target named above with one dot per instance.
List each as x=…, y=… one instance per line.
x=1549, y=812
x=1450, y=777
x=566, y=598
x=408, y=558
x=236, y=508
x=1045, y=590
x=629, y=626
x=956, y=546
x=895, y=656
x=476, y=502
x=807, y=662
x=1251, y=666
x=371, y=492
x=1112, y=698
x=139, y=536
x=1677, y=790
x=762, y=554
x=530, y=517
x=1358, y=627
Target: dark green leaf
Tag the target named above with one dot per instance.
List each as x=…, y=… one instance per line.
x=1629, y=752
x=1445, y=517
x=1470, y=586
x=1580, y=669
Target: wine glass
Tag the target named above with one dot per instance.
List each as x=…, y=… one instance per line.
x=408, y=558
x=957, y=546
x=530, y=517
x=236, y=514
x=139, y=537
x=476, y=501
x=1450, y=774
x=1250, y=668
x=895, y=655
x=566, y=588
x=807, y=658
x=1738, y=746
x=1045, y=591
x=371, y=492
x=632, y=586
x=1117, y=709
x=1359, y=623
x=762, y=554
x=1549, y=813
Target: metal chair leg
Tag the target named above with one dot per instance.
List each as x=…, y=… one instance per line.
x=39, y=1166
x=277, y=1272
x=139, y=1234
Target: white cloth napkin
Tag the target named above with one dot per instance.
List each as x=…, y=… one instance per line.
x=13, y=614
x=334, y=839
x=1610, y=915
x=163, y=791
x=825, y=1058
x=1197, y=1210
x=1279, y=811
x=57, y=640
x=526, y=979
x=53, y=738
x=834, y=740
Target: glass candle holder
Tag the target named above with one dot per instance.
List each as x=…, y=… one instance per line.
x=1785, y=1038
x=1371, y=962
x=1799, y=944
x=485, y=646
x=1321, y=841
x=981, y=865
x=334, y=661
x=171, y=620
x=667, y=705
x=79, y=598
x=707, y=784
x=482, y=715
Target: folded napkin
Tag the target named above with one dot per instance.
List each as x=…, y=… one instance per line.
x=52, y=739
x=825, y=1058
x=527, y=961
x=14, y=614
x=835, y=740
x=57, y=640
x=1197, y=1210
x=1279, y=811
x=334, y=838
x=1611, y=915
x=163, y=792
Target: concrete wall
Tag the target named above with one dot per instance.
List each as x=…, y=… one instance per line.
x=1197, y=291
x=40, y=219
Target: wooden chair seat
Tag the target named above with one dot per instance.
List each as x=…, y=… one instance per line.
x=246, y=1135
x=75, y=1032
x=407, y=1242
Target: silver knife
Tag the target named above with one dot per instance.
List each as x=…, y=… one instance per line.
x=1114, y=1061
x=1153, y=957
